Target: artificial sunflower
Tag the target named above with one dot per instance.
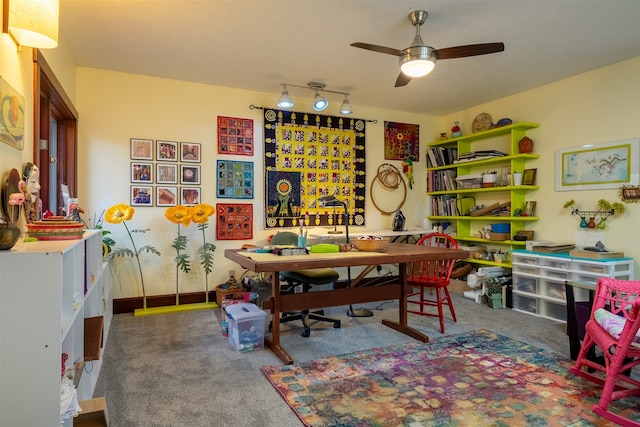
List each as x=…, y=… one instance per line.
x=200, y=213
x=178, y=215
x=119, y=213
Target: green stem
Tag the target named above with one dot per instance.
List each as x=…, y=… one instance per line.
x=206, y=275
x=135, y=251
x=177, y=270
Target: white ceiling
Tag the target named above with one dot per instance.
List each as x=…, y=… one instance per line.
x=257, y=44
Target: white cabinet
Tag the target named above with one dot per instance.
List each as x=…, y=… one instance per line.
x=538, y=280
x=47, y=289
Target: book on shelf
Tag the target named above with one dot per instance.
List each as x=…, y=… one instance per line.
x=553, y=247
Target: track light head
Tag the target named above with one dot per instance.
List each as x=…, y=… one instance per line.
x=345, y=108
x=285, y=100
x=319, y=102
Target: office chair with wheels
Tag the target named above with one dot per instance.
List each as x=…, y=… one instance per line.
x=612, y=327
x=304, y=279
x=432, y=275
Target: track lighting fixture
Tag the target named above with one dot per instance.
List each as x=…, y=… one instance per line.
x=320, y=103
x=285, y=100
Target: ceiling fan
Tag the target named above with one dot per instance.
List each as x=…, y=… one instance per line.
x=419, y=59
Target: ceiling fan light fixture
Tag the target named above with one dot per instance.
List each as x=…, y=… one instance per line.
x=285, y=100
x=345, y=108
x=319, y=102
x=418, y=61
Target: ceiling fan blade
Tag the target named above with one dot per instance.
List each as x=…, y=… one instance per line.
x=379, y=49
x=469, y=50
x=402, y=80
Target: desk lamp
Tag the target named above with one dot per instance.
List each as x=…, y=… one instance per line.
x=332, y=202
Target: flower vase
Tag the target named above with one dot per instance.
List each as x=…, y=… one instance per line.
x=592, y=222
x=455, y=130
x=583, y=222
x=602, y=224
x=9, y=235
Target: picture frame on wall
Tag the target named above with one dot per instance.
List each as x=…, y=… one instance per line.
x=142, y=172
x=141, y=195
x=529, y=177
x=607, y=165
x=141, y=149
x=190, y=152
x=167, y=151
x=189, y=174
x=166, y=195
x=166, y=173
x=190, y=195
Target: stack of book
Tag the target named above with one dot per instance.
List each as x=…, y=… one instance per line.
x=479, y=155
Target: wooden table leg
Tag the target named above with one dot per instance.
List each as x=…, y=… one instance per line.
x=273, y=342
x=401, y=325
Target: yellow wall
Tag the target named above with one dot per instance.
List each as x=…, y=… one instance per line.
x=599, y=106
x=115, y=107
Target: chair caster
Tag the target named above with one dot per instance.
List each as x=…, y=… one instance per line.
x=336, y=324
x=306, y=333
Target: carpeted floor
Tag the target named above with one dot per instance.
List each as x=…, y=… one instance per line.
x=177, y=369
x=477, y=378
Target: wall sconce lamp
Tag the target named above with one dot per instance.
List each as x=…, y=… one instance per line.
x=320, y=103
x=32, y=23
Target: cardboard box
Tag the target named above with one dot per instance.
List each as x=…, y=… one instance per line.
x=246, y=327
x=94, y=413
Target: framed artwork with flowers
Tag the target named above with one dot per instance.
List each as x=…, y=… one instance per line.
x=234, y=221
x=401, y=141
x=141, y=195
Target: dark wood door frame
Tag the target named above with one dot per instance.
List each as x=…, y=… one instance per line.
x=52, y=103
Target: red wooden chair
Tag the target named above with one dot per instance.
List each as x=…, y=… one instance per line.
x=613, y=327
x=432, y=276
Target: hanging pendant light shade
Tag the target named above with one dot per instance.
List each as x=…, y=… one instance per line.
x=34, y=23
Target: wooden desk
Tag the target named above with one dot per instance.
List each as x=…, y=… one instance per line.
x=396, y=253
x=396, y=236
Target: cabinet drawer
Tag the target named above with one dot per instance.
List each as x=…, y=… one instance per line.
x=523, y=259
x=525, y=284
x=524, y=269
x=524, y=303
x=553, y=311
x=555, y=290
x=556, y=274
x=554, y=263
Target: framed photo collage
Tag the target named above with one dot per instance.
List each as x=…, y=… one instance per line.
x=170, y=178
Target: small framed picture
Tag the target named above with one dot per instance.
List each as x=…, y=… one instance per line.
x=189, y=174
x=529, y=177
x=190, y=152
x=190, y=195
x=167, y=151
x=141, y=196
x=141, y=149
x=166, y=173
x=166, y=196
x=142, y=172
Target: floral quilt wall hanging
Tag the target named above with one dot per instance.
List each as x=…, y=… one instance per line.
x=308, y=156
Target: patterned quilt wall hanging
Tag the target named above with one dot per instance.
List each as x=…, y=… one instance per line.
x=308, y=156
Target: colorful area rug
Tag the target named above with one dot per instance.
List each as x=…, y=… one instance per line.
x=473, y=379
